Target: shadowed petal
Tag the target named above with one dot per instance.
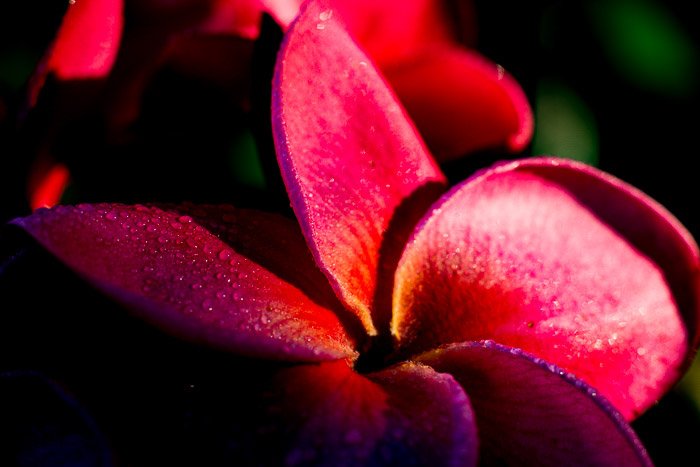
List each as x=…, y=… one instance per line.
x=348, y=154
x=180, y=276
x=530, y=412
x=462, y=103
x=329, y=415
x=42, y=425
x=563, y=261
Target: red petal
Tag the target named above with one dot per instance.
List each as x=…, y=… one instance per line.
x=562, y=261
x=47, y=184
x=392, y=31
x=348, y=154
x=180, y=276
x=329, y=415
x=87, y=42
x=533, y=413
x=462, y=103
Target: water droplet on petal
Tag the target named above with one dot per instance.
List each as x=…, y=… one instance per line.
x=224, y=254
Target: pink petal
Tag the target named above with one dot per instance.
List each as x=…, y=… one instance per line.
x=88, y=39
x=348, y=154
x=563, y=261
x=530, y=412
x=462, y=103
x=180, y=276
x=329, y=415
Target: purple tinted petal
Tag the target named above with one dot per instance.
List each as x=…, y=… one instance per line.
x=327, y=414
x=183, y=278
x=530, y=412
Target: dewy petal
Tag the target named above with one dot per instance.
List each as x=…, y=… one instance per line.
x=534, y=413
x=88, y=39
x=563, y=261
x=462, y=103
x=327, y=414
x=180, y=276
x=348, y=154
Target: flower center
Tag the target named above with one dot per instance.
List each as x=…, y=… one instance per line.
x=377, y=354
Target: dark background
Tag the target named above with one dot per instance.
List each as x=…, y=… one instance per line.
x=613, y=83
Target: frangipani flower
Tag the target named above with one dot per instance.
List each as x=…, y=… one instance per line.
x=516, y=318
x=108, y=56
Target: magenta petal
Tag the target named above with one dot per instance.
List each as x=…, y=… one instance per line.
x=530, y=412
x=348, y=154
x=88, y=39
x=391, y=31
x=462, y=103
x=180, y=276
x=563, y=261
x=329, y=415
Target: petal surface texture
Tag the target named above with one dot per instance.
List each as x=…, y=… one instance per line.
x=177, y=274
x=327, y=414
x=533, y=413
x=563, y=261
x=349, y=155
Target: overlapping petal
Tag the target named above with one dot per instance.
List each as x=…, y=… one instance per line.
x=442, y=84
x=560, y=260
x=527, y=407
x=180, y=276
x=348, y=154
x=461, y=102
x=328, y=414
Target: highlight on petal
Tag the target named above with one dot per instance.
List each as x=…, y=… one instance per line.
x=563, y=261
x=47, y=184
x=348, y=154
x=283, y=11
x=532, y=412
x=462, y=103
x=327, y=414
x=183, y=278
x=88, y=39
